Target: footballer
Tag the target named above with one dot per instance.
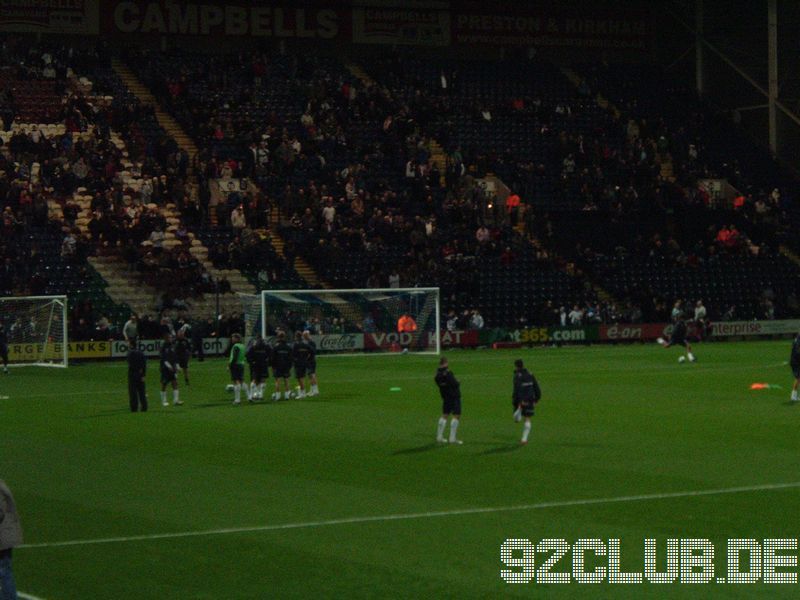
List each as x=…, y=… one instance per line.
x=311, y=370
x=236, y=366
x=450, y=390
x=302, y=355
x=168, y=365
x=525, y=396
x=258, y=356
x=678, y=338
x=281, y=366
x=183, y=351
x=794, y=363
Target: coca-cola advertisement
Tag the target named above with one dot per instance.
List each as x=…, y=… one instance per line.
x=333, y=342
x=339, y=342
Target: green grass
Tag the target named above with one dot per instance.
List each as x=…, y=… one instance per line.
x=613, y=422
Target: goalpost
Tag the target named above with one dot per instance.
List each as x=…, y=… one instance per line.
x=349, y=321
x=36, y=328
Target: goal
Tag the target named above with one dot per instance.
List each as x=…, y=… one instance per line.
x=36, y=328
x=349, y=321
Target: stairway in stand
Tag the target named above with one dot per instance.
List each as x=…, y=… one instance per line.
x=124, y=285
x=239, y=282
x=144, y=95
x=300, y=265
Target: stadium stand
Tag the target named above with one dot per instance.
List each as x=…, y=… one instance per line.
x=519, y=187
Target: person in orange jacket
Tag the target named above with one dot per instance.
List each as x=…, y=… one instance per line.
x=406, y=324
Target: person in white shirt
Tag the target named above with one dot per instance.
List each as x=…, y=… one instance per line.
x=575, y=316
x=238, y=220
x=700, y=311
x=157, y=238
x=700, y=315
x=329, y=211
x=476, y=321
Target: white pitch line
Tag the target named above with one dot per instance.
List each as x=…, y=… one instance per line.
x=421, y=515
x=25, y=596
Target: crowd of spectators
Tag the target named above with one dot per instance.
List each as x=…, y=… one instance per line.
x=347, y=164
x=72, y=158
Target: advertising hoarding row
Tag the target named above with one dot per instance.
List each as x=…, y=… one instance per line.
x=387, y=341
x=514, y=24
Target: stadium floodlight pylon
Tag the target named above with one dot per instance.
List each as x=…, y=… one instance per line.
x=36, y=327
x=354, y=321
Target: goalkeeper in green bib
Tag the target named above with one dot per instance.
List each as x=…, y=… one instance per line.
x=236, y=366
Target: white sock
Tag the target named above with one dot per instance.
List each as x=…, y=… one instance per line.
x=794, y=395
x=163, y=397
x=286, y=395
x=453, y=429
x=175, y=398
x=526, y=430
x=314, y=389
x=440, y=428
x=260, y=390
x=518, y=413
x=690, y=355
x=237, y=392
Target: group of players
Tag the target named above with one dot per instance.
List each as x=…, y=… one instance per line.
x=524, y=397
x=282, y=357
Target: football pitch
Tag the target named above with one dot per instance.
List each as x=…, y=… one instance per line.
x=347, y=495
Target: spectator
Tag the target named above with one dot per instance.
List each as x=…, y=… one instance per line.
x=10, y=537
x=238, y=221
x=476, y=321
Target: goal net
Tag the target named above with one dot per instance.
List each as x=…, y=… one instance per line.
x=36, y=330
x=349, y=321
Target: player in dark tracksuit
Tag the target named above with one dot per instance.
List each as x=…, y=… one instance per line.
x=168, y=365
x=281, y=366
x=183, y=351
x=526, y=394
x=4, y=347
x=258, y=356
x=450, y=390
x=794, y=363
x=302, y=356
x=678, y=338
x=137, y=368
x=311, y=371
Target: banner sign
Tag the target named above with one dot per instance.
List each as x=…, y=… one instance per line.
x=337, y=342
x=420, y=24
x=630, y=332
x=455, y=339
x=577, y=28
x=401, y=26
x=55, y=351
x=394, y=340
x=50, y=16
x=151, y=348
x=234, y=18
x=542, y=335
x=748, y=328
